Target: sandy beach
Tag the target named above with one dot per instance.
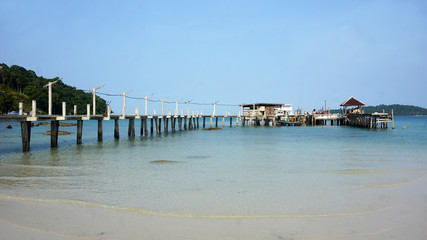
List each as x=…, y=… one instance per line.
x=47, y=219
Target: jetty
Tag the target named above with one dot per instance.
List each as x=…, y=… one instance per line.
x=256, y=114
x=149, y=123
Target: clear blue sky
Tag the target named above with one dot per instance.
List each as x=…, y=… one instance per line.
x=297, y=52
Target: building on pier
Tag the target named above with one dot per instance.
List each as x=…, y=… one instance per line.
x=354, y=106
x=266, y=113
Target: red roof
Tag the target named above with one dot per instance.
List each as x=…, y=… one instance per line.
x=352, y=102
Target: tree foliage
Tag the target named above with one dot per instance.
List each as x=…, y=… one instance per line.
x=18, y=84
x=398, y=110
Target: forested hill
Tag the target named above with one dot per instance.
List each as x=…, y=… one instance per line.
x=399, y=110
x=18, y=84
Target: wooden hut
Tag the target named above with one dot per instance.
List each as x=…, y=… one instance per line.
x=352, y=106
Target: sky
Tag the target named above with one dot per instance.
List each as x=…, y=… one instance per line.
x=294, y=52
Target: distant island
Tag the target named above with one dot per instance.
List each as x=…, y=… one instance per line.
x=398, y=110
x=18, y=84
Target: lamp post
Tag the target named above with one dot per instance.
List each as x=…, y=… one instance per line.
x=146, y=98
x=162, y=103
x=50, y=94
x=176, y=109
x=188, y=112
x=124, y=101
x=214, y=107
x=94, y=99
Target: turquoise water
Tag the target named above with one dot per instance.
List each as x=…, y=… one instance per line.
x=236, y=171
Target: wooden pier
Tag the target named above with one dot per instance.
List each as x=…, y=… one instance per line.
x=149, y=124
x=257, y=115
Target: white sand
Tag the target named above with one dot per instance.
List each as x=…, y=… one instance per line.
x=37, y=220
x=32, y=219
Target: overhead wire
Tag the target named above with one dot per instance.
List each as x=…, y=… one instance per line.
x=151, y=100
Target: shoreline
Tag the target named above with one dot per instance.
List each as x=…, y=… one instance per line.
x=26, y=219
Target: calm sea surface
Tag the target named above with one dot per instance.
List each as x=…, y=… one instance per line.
x=236, y=171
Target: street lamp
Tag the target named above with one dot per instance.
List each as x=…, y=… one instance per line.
x=214, y=107
x=94, y=98
x=146, y=98
x=50, y=94
x=176, y=109
x=162, y=103
x=124, y=101
x=188, y=112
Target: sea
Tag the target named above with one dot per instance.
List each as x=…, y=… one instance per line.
x=234, y=172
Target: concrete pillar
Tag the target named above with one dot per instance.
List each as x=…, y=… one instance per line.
x=21, y=108
x=64, y=109
x=34, y=110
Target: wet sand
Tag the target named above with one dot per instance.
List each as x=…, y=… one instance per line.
x=34, y=219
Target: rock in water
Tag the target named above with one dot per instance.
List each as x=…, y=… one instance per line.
x=210, y=129
x=59, y=133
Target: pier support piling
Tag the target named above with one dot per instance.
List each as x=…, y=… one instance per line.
x=79, y=131
x=141, y=132
x=116, y=129
x=26, y=135
x=54, y=134
x=131, y=128
x=99, y=130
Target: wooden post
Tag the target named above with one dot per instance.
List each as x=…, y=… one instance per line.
x=392, y=119
x=197, y=121
x=156, y=120
x=54, y=134
x=79, y=131
x=194, y=122
x=190, y=123
x=131, y=127
x=210, y=120
x=116, y=129
x=179, y=123
x=141, y=133
x=185, y=123
x=223, y=121
x=152, y=127
x=231, y=121
x=204, y=119
x=165, y=123
x=26, y=135
x=75, y=109
x=99, y=130
x=216, y=122
x=145, y=127
x=173, y=124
